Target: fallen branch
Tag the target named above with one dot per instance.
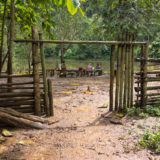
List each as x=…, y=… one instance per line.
x=17, y=119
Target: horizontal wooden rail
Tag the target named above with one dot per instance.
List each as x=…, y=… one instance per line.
x=18, y=87
x=17, y=84
x=16, y=99
x=152, y=79
x=151, y=72
x=148, y=60
x=16, y=94
x=16, y=76
x=9, y=104
x=81, y=42
x=150, y=94
x=137, y=89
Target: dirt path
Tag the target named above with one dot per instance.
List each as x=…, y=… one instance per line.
x=81, y=128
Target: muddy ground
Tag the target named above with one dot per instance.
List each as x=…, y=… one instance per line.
x=82, y=128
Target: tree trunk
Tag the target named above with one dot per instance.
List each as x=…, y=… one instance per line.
x=10, y=50
x=2, y=34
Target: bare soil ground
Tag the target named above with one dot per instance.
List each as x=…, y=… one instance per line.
x=81, y=128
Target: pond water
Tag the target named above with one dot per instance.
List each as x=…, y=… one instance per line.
x=105, y=64
x=21, y=66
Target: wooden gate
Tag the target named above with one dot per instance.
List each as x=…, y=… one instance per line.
x=122, y=92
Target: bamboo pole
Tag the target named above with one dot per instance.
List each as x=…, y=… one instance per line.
x=118, y=78
x=46, y=98
x=50, y=94
x=36, y=72
x=122, y=74
x=126, y=75
x=129, y=73
x=111, y=76
x=132, y=70
x=11, y=41
x=80, y=42
x=144, y=76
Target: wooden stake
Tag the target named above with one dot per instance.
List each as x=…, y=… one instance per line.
x=36, y=72
x=50, y=94
x=111, y=76
x=46, y=99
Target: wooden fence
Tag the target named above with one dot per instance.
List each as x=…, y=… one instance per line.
x=148, y=82
x=28, y=93
x=122, y=94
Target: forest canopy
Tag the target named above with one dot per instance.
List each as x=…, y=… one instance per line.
x=84, y=20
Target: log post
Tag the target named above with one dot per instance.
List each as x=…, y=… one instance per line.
x=11, y=41
x=144, y=77
x=111, y=77
x=36, y=77
x=46, y=99
x=50, y=94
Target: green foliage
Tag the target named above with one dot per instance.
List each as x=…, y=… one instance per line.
x=140, y=16
x=143, y=112
x=155, y=49
x=151, y=141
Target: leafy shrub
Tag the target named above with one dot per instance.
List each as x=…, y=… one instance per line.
x=145, y=112
x=151, y=141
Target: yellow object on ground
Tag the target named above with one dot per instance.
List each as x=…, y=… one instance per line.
x=67, y=92
x=29, y=142
x=6, y=133
x=88, y=92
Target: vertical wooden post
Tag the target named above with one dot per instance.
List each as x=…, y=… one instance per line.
x=129, y=73
x=11, y=41
x=36, y=77
x=144, y=76
x=122, y=74
x=111, y=76
x=118, y=77
x=46, y=99
x=2, y=34
x=141, y=71
x=132, y=71
x=50, y=94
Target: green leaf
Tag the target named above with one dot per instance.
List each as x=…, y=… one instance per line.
x=80, y=9
x=71, y=7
